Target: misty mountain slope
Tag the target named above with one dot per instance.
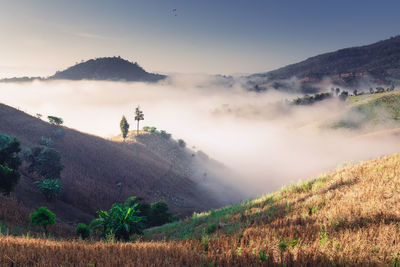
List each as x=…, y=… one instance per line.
x=371, y=112
x=208, y=173
x=341, y=217
x=94, y=166
x=107, y=68
x=378, y=63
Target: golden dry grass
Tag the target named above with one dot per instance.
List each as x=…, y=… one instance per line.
x=350, y=217
x=15, y=212
x=38, y=252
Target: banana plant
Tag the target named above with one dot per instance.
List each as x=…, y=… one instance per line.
x=120, y=220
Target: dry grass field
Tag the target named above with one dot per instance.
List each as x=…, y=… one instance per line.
x=350, y=217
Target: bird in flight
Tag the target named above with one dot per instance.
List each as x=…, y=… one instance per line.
x=174, y=12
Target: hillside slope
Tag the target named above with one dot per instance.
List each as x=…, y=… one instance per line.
x=208, y=173
x=371, y=112
x=93, y=169
x=378, y=63
x=349, y=217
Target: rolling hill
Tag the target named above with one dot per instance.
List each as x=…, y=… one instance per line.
x=108, y=69
x=99, y=69
x=99, y=172
x=377, y=63
x=349, y=217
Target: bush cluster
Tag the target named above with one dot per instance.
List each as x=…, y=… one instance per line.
x=9, y=163
x=124, y=220
x=307, y=99
x=46, y=163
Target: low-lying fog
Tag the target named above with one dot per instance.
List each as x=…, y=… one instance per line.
x=256, y=134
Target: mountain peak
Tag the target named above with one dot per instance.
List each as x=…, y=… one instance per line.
x=107, y=68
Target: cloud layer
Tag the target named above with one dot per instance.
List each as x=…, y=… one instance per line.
x=265, y=141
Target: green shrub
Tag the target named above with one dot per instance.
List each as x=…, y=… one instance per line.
x=263, y=255
x=142, y=207
x=9, y=163
x=55, y=120
x=49, y=188
x=175, y=217
x=211, y=228
x=154, y=214
x=46, y=162
x=43, y=218
x=282, y=246
x=205, y=242
x=82, y=230
x=323, y=235
x=150, y=129
x=26, y=153
x=165, y=135
x=181, y=143
x=44, y=141
x=293, y=242
x=343, y=95
x=159, y=213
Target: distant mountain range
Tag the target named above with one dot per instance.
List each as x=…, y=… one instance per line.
x=101, y=69
x=363, y=66
x=378, y=63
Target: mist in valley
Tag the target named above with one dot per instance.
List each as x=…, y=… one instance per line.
x=266, y=142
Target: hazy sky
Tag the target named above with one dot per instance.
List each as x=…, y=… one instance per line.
x=207, y=36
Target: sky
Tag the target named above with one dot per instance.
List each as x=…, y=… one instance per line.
x=208, y=36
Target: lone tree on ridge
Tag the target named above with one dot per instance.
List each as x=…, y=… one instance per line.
x=139, y=116
x=124, y=125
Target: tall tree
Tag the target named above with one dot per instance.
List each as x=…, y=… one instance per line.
x=9, y=163
x=124, y=125
x=139, y=116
